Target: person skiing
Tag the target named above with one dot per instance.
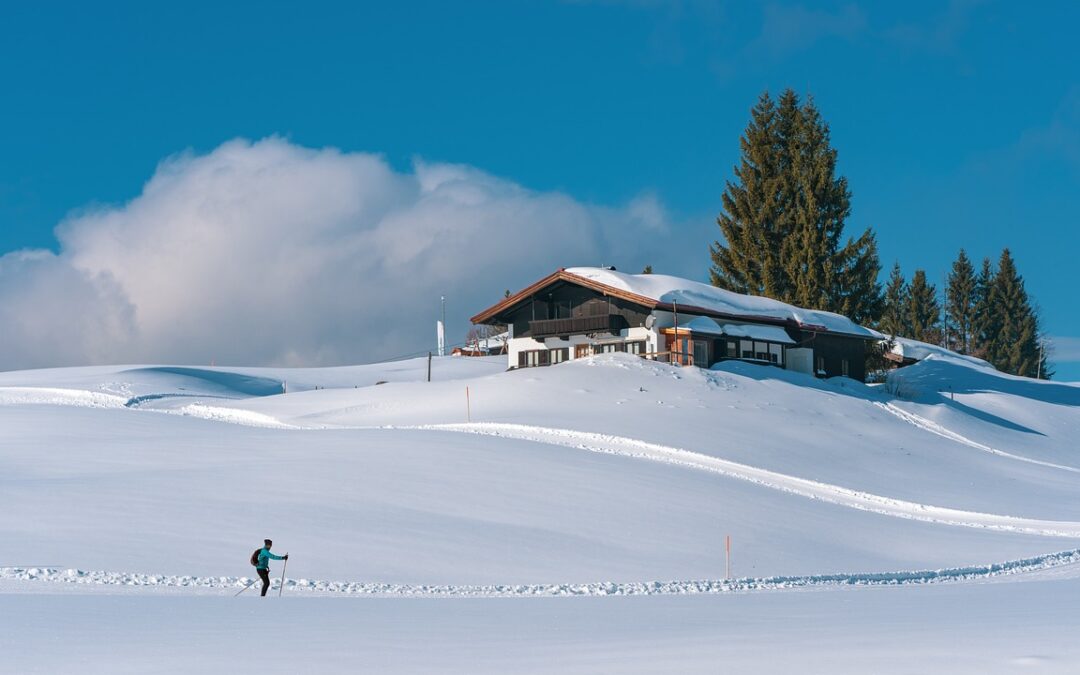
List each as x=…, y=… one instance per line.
x=263, y=566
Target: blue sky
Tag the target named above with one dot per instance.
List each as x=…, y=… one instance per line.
x=957, y=123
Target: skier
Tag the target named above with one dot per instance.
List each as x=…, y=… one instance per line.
x=263, y=566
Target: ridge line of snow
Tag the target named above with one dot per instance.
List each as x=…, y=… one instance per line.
x=80, y=398
x=826, y=492
x=746, y=584
x=83, y=398
x=248, y=418
x=939, y=430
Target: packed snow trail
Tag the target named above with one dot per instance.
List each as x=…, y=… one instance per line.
x=629, y=447
x=91, y=399
x=1050, y=561
x=79, y=398
x=833, y=494
x=938, y=430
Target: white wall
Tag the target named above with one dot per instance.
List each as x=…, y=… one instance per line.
x=524, y=344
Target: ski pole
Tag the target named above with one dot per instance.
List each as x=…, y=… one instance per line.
x=246, y=587
x=283, y=566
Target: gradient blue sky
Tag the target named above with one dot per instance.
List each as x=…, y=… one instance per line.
x=957, y=123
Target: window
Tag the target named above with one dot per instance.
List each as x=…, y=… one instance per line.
x=581, y=351
x=558, y=355
x=776, y=353
x=606, y=349
x=747, y=348
x=533, y=358
x=636, y=347
x=821, y=364
x=761, y=351
x=732, y=349
x=844, y=367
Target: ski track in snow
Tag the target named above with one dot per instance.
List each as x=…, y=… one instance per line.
x=79, y=398
x=91, y=399
x=629, y=447
x=230, y=584
x=938, y=430
x=833, y=494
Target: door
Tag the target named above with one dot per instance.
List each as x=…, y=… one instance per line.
x=701, y=353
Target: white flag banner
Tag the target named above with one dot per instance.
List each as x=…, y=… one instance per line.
x=441, y=334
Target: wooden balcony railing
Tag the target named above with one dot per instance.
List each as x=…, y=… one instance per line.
x=599, y=323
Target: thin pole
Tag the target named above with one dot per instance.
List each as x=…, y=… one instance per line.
x=245, y=587
x=468, y=406
x=429, y=366
x=675, y=311
x=283, y=566
x=727, y=548
x=945, y=310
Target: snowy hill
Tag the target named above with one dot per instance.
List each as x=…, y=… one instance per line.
x=605, y=476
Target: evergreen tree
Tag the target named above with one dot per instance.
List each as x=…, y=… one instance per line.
x=960, y=297
x=983, y=319
x=783, y=218
x=750, y=220
x=1014, y=348
x=647, y=270
x=856, y=292
x=924, y=312
x=894, y=315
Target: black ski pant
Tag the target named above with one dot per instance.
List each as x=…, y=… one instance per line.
x=265, y=576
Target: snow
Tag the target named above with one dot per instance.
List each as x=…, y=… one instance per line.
x=916, y=350
x=667, y=289
x=939, y=511
x=709, y=326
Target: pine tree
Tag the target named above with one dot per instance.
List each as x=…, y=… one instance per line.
x=983, y=319
x=783, y=218
x=924, y=312
x=750, y=220
x=856, y=292
x=960, y=297
x=894, y=315
x=647, y=270
x=1014, y=347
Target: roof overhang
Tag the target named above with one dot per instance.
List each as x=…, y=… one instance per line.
x=560, y=275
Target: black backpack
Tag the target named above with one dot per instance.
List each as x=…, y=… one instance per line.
x=255, y=557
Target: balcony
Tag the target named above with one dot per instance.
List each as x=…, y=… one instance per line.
x=599, y=323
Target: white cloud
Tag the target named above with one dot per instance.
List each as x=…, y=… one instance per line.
x=271, y=253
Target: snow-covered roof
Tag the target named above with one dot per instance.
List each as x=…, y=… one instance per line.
x=668, y=289
x=709, y=326
x=702, y=324
x=758, y=332
x=917, y=351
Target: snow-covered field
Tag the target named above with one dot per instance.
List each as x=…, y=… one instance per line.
x=494, y=521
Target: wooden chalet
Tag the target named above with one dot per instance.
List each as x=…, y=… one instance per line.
x=579, y=312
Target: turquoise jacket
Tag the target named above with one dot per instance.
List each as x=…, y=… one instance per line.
x=265, y=557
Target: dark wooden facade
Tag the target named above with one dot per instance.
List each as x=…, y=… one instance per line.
x=567, y=309
x=835, y=354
